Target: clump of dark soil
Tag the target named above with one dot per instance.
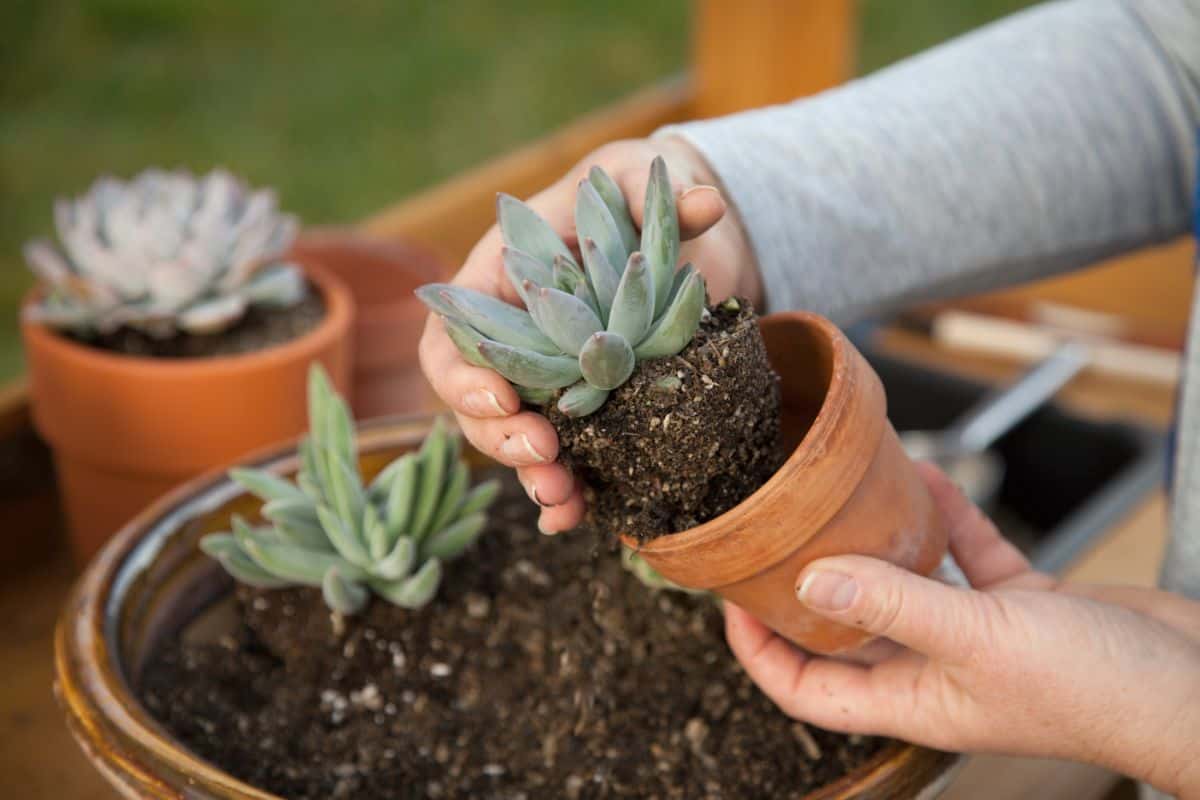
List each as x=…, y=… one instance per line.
x=542, y=669
x=259, y=329
x=687, y=438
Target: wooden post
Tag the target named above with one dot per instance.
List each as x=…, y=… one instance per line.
x=750, y=53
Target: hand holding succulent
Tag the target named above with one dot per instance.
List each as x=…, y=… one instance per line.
x=487, y=406
x=328, y=530
x=585, y=328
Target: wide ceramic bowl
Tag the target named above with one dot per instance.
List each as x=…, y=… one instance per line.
x=151, y=580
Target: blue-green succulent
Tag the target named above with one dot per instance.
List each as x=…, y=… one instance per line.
x=584, y=327
x=329, y=530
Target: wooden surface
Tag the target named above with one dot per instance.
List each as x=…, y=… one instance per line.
x=753, y=53
x=452, y=216
x=38, y=756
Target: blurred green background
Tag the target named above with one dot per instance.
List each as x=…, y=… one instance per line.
x=343, y=106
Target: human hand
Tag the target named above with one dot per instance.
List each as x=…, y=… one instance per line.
x=485, y=404
x=1021, y=664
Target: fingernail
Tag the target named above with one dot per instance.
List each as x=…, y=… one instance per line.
x=519, y=448
x=703, y=187
x=542, y=529
x=828, y=591
x=482, y=403
x=531, y=490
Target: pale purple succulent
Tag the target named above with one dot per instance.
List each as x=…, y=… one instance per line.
x=583, y=328
x=162, y=253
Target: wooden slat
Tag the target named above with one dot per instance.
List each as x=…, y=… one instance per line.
x=450, y=217
x=752, y=53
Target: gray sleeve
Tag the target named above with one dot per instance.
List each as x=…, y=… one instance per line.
x=1041, y=143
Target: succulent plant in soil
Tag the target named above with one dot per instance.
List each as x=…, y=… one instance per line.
x=164, y=254
x=667, y=409
x=330, y=531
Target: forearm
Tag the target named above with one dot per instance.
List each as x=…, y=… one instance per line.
x=1042, y=143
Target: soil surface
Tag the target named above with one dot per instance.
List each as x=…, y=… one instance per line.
x=657, y=459
x=259, y=329
x=543, y=669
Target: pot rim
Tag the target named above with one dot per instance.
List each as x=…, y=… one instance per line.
x=843, y=383
x=339, y=311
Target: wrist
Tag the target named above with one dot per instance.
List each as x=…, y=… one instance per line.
x=1160, y=747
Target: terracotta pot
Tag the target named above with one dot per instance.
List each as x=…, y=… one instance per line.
x=151, y=580
x=126, y=429
x=381, y=275
x=847, y=487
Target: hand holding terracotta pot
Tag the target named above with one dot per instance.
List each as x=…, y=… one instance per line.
x=846, y=488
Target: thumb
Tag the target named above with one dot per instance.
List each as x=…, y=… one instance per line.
x=880, y=598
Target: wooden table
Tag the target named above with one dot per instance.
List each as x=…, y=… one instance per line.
x=39, y=760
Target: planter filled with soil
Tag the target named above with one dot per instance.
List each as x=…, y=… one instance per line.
x=541, y=669
x=145, y=370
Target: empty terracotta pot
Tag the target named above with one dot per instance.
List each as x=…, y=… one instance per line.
x=126, y=429
x=847, y=487
x=381, y=275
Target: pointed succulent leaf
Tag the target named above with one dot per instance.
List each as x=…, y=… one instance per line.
x=581, y=399
x=479, y=498
x=496, y=319
x=678, y=279
x=583, y=293
x=266, y=486
x=414, y=591
x=301, y=511
x=432, y=459
x=278, y=286
x=678, y=324
x=400, y=496
x=346, y=494
x=615, y=200
x=452, y=495
x=399, y=562
x=535, y=397
x=607, y=360
x=521, y=227
x=431, y=295
x=246, y=571
x=602, y=276
x=594, y=220
x=660, y=231
x=633, y=305
x=213, y=315
x=298, y=565
x=374, y=533
x=216, y=544
x=527, y=368
x=343, y=537
x=451, y=541
x=308, y=479
x=566, y=319
x=466, y=339
x=567, y=275
x=521, y=267
x=341, y=595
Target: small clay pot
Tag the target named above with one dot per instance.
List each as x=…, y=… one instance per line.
x=846, y=488
x=152, y=580
x=125, y=429
x=381, y=275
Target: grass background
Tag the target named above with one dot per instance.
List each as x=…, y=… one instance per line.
x=343, y=106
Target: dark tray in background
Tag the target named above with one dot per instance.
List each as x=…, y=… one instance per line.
x=1068, y=478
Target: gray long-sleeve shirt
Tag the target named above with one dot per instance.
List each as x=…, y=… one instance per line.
x=1042, y=143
